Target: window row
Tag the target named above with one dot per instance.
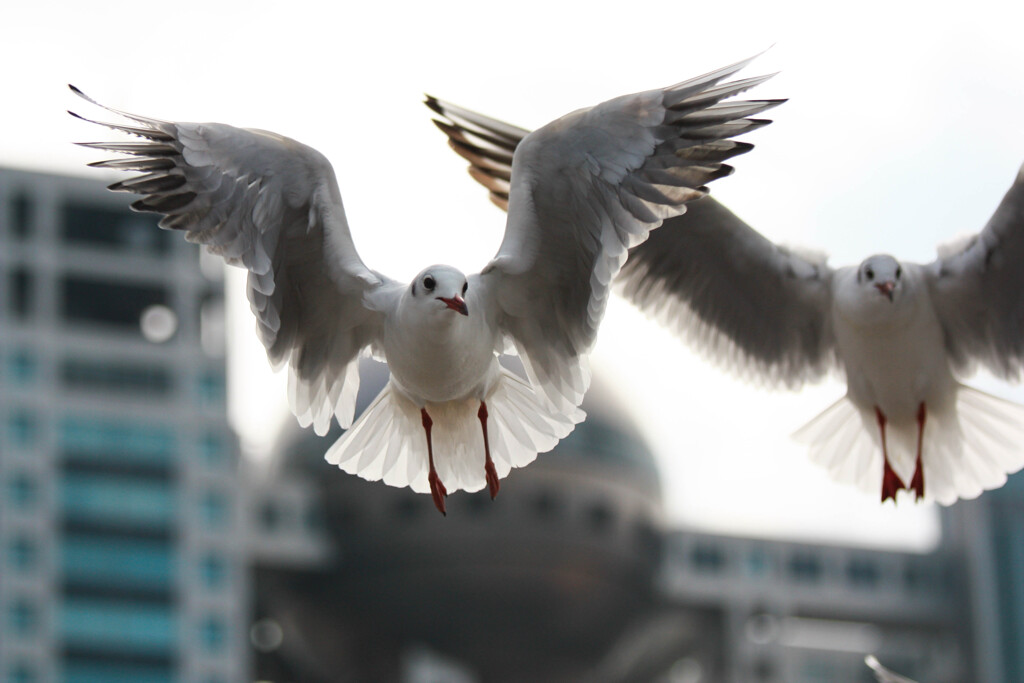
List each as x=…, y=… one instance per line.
x=135, y=378
x=104, y=560
x=121, y=501
x=107, y=441
x=131, y=308
x=805, y=567
x=92, y=225
x=100, y=625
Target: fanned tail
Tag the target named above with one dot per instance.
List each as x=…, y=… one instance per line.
x=838, y=440
x=969, y=447
x=992, y=447
x=388, y=441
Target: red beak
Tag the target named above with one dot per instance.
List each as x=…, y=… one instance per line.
x=886, y=288
x=456, y=303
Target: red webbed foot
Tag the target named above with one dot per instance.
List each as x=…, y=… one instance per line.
x=891, y=483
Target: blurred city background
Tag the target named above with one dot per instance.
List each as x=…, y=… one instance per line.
x=138, y=545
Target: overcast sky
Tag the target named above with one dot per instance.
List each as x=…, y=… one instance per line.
x=905, y=125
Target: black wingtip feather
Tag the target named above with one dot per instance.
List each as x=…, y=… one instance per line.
x=433, y=104
x=163, y=203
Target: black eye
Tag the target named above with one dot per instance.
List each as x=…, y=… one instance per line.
x=465, y=286
x=899, y=271
x=870, y=274
x=429, y=283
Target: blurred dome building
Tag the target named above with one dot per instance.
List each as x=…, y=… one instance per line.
x=537, y=585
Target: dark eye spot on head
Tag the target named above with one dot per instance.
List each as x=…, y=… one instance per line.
x=465, y=286
x=870, y=274
x=899, y=272
x=429, y=283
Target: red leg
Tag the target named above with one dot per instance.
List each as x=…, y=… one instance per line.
x=437, y=489
x=492, y=474
x=891, y=482
x=917, y=482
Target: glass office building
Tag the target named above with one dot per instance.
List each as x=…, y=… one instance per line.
x=120, y=552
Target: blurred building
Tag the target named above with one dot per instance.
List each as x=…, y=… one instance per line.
x=571, y=575
x=120, y=558
x=538, y=585
x=135, y=546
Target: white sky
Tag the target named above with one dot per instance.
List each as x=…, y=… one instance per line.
x=904, y=127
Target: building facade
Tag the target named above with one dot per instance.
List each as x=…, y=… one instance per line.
x=135, y=546
x=120, y=558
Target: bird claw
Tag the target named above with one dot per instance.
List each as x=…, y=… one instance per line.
x=917, y=482
x=891, y=483
x=438, y=493
x=493, y=484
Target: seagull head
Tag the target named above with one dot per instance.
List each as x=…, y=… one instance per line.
x=443, y=284
x=882, y=273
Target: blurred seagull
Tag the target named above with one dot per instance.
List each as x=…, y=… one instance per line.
x=882, y=674
x=585, y=188
x=897, y=331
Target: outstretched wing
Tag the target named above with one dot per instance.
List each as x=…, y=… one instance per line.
x=753, y=307
x=271, y=205
x=759, y=309
x=978, y=291
x=587, y=187
x=487, y=144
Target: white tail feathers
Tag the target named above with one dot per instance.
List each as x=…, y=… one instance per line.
x=388, y=441
x=969, y=447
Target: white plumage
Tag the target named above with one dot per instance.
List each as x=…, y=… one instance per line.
x=581, y=191
x=900, y=334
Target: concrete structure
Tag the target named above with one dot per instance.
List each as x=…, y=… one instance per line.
x=120, y=557
x=570, y=575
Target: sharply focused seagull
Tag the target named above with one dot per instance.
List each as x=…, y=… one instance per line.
x=899, y=332
x=582, y=190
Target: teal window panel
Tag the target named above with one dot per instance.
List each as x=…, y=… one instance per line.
x=118, y=377
x=212, y=634
x=117, y=626
x=106, y=438
x=213, y=570
x=95, y=672
x=212, y=387
x=112, y=227
x=22, y=490
x=22, y=553
x=22, y=617
x=118, y=561
x=213, y=507
x=22, y=428
x=121, y=500
x=22, y=672
x=213, y=450
x=21, y=367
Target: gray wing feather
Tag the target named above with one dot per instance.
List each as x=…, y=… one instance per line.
x=756, y=308
x=271, y=205
x=587, y=187
x=759, y=309
x=978, y=291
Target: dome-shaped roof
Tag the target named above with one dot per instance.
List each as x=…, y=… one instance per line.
x=548, y=572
